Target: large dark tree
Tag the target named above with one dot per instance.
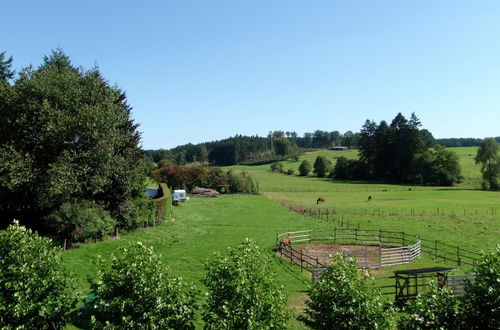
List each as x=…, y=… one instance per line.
x=388, y=150
x=6, y=72
x=66, y=135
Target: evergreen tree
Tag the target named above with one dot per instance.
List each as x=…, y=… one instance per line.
x=321, y=166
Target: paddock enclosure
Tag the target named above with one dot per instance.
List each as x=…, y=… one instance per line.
x=372, y=248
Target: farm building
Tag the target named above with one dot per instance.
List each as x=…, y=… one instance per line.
x=338, y=148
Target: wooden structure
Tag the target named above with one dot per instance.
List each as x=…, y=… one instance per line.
x=372, y=248
x=410, y=282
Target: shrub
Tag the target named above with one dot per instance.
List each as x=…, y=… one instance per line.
x=290, y=172
x=135, y=293
x=321, y=166
x=436, y=309
x=277, y=167
x=35, y=292
x=305, y=168
x=344, y=298
x=481, y=302
x=80, y=221
x=225, y=182
x=242, y=293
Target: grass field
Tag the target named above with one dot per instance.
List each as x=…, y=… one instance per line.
x=459, y=215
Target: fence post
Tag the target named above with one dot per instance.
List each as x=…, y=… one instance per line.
x=366, y=256
x=435, y=249
x=64, y=247
x=380, y=235
x=356, y=235
x=301, y=258
x=458, y=255
x=404, y=239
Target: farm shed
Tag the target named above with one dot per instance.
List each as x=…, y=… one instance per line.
x=338, y=148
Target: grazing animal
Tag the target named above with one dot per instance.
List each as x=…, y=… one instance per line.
x=369, y=198
x=286, y=241
x=320, y=200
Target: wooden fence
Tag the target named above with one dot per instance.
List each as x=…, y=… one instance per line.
x=372, y=248
x=329, y=213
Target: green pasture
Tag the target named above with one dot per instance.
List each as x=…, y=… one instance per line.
x=461, y=215
x=203, y=226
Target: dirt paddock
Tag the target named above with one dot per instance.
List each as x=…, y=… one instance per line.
x=367, y=256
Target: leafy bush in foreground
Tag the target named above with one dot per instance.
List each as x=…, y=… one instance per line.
x=344, y=298
x=35, y=293
x=481, y=303
x=135, y=293
x=436, y=309
x=242, y=293
x=81, y=221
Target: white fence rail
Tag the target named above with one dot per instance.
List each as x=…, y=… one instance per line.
x=399, y=255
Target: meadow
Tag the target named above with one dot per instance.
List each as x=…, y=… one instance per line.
x=460, y=215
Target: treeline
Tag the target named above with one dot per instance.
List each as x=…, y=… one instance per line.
x=462, y=142
x=180, y=177
x=397, y=153
x=238, y=149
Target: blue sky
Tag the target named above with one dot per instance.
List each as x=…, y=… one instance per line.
x=197, y=71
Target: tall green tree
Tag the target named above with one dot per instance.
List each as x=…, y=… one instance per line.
x=487, y=156
x=35, y=291
x=65, y=135
x=282, y=147
x=321, y=166
x=6, y=71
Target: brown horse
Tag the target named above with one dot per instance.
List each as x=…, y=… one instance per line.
x=320, y=200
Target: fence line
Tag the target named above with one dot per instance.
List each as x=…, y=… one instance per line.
x=376, y=248
x=322, y=213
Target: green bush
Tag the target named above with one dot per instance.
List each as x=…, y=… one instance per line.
x=35, y=292
x=305, y=168
x=344, y=298
x=242, y=293
x=481, y=302
x=136, y=293
x=81, y=221
x=436, y=309
x=321, y=166
x=277, y=167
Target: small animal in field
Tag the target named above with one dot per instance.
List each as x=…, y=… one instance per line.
x=286, y=241
x=320, y=200
x=369, y=198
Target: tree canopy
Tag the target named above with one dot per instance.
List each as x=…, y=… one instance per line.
x=66, y=135
x=487, y=156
